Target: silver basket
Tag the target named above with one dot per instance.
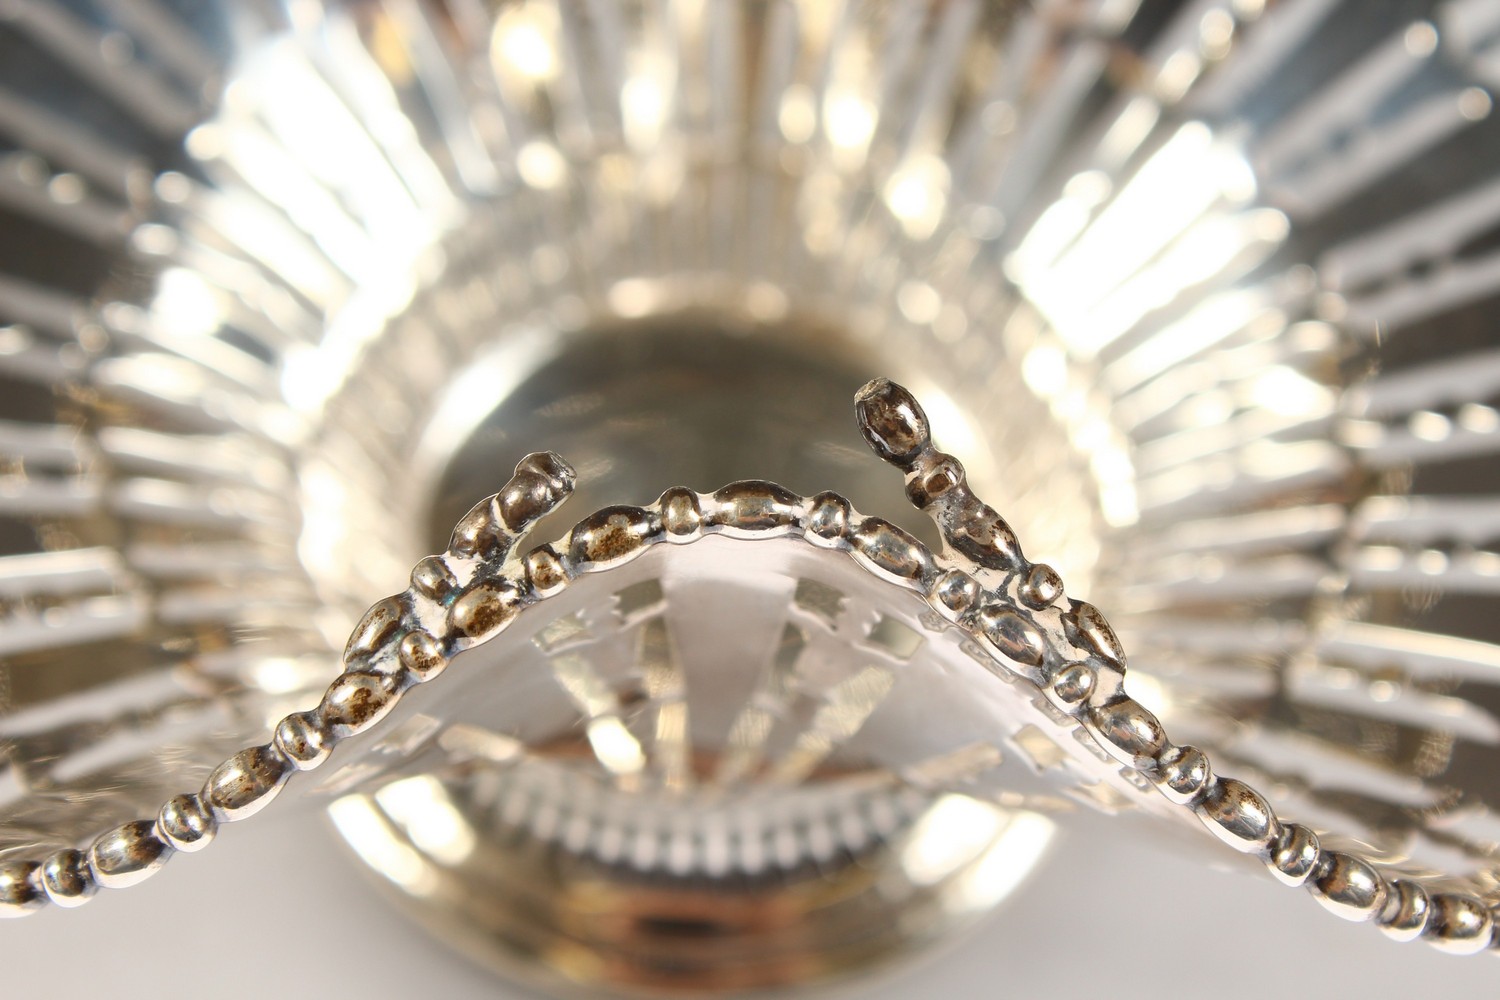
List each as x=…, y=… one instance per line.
x=1198, y=293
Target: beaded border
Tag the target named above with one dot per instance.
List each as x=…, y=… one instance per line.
x=980, y=582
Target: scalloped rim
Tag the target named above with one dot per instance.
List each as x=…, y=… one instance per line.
x=981, y=583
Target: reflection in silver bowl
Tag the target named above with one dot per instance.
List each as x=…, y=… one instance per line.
x=1198, y=291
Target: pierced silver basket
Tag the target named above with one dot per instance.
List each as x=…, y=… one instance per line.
x=1198, y=294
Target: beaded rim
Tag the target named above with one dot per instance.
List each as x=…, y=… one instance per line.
x=980, y=582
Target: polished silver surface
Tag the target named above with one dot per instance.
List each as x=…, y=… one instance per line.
x=1199, y=291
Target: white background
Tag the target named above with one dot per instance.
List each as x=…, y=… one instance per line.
x=274, y=908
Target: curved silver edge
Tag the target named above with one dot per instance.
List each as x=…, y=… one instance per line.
x=980, y=582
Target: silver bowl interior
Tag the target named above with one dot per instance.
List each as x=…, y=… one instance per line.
x=1200, y=292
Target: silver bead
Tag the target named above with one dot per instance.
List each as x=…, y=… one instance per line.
x=1183, y=773
x=20, y=891
x=981, y=534
x=1459, y=925
x=356, y=701
x=246, y=783
x=375, y=629
x=892, y=421
x=1013, y=637
x=484, y=609
x=541, y=483
x=611, y=537
x=1041, y=587
x=891, y=552
x=186, y=823
x=66, y=878
x=128, y=854
x=957, y=592
x=755, y=507
x=304, y=740
x=480, y=533
x=422, y=655
x=545, y=571
x=1407, y=910
x=1073, y=684
x=432, y=578
x=1128, y=732
x=1097, y=634
x=681, y=514
x=934, y=480
x=1296, y=855
x=1349, y=887
x=1237, y=815
x=827, y=519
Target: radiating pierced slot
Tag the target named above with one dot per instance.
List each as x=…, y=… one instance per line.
x=1102, y=796
x=896, y=638
x=820, y=599
x=635, y=600
x=563, y=632
x=751, y=730
x=1039, y=749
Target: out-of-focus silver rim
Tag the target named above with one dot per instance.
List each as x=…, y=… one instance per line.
x=1200, y=291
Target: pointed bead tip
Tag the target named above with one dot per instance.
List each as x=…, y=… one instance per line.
x=892, y=421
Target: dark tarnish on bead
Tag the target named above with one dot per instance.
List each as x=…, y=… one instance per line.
x=376, y=628
x=481, y=533
x=897, y=430
x=541, y=483
x=484, y=609
x=356, y=701
x=1015, y=637
x=681, y=514
x=1041, y=587
x=545, y=571
x=930, y=483
x=20, y=892
x=422, y=655
x=186, y=823
x=828, y=517
x=66, y=878
x=756, y=506
x=1407, y=911
x=1184, y=774
x=1238, y=815
x=1349, y=887
x=892, y=422
x=304, y=740
x=128, y=854
x=609, y=537
x=978, y=532
x=245, y=783
x=432, y=578
x=890, y=551
x=1128, y=732
x=1096, y=633
x=1459, y=925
